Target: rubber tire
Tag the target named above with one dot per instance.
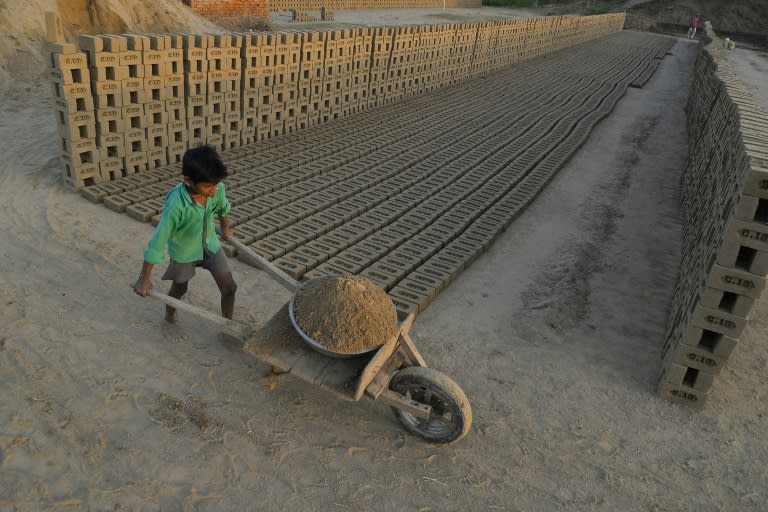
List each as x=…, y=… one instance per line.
x=453, y=415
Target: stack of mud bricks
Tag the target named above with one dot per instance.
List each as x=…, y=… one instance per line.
x=70, y=78
x=437, y=56
x=302, y=16
x=337, y=82
x=113, y=104
x=75, y=115
x=463, y=50
x=195, y=51
x=422, y=40
x=250, y=89
x=444, y=47
x=127, y=103
x=725, y=231
x=485, y=48
x=326, y=14
x=138, y=82
x=118, y=94
x=345, y=48
x=259, y=80
x=223, y=91
x=401, y=65
x=361, y=68
x=285, y=91
x=311, y=73
x=232, y=129
x=164, y=89
x=380, y=58
x=332, y=82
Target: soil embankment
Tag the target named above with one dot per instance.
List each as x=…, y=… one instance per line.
x=22, y=23
x=746, y=18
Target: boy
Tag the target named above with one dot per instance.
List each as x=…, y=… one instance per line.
x=186, y=227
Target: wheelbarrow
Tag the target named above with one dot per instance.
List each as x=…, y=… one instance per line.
x=429, y=405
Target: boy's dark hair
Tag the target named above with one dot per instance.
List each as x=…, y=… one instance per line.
x=202, y=164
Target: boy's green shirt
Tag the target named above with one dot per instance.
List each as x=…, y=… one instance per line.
x=181, y=226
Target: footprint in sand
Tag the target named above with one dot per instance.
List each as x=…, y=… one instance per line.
x=174, y=333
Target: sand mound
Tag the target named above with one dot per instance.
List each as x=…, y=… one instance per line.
x=22, y=23
x=345, y=314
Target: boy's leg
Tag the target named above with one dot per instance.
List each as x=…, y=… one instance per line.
x=177, y=291
x=227, y=287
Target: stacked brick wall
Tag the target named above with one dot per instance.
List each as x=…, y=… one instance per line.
x=725, y=229
x=314, y=5
x=229, y=8
x=131, y=102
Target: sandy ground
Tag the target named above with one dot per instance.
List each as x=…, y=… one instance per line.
x=554, y=334
x=389, y=17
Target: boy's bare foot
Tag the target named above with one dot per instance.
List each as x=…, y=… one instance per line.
x=174, y=334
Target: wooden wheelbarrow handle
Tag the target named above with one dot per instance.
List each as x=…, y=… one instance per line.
x=281, y=277
x=231, y=327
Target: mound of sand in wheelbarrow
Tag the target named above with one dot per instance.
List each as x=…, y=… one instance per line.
x=345, y=314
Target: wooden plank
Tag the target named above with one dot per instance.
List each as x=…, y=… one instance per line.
x=278, y=344
x=381, y=357
x=231, y=327
x=281, y=277
x=309, y=367
x=375, y=365
x=409, y=347
x=398, y=401
x=381, y=381
x=407, y=323
x=340, y=378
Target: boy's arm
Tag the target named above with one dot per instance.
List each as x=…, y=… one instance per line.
x=223, y=209
x=226, y=231
x=222, y=203
x=155, y=250
x=144, y=283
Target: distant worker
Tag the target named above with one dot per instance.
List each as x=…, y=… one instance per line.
x=692, y=26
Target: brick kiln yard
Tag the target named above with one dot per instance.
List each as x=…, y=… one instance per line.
x=554, y=331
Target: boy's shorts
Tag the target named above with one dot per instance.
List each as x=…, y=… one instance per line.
x=183, y=272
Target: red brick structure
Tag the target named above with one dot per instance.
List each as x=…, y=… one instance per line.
x=229, y=8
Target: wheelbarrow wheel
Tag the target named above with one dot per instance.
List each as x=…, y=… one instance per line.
x=451, y=416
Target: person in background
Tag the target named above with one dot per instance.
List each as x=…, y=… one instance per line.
x=692, y=26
